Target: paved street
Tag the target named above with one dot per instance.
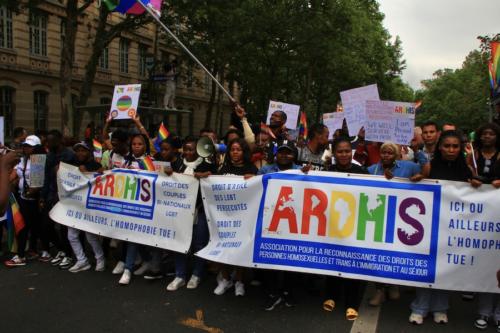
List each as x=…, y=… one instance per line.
x=39, y=297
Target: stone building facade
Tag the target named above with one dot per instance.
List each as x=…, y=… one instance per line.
x=30, y=48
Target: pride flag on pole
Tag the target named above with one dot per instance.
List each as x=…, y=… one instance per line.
x=303, y=125
x=147, y=164
x=132, y=6
x=14, y=223
x=97, y=148
x=163, y=133
x=494, y=64
x=267, y=129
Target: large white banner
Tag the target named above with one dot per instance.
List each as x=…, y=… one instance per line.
x=443, y=235
x=137, y=206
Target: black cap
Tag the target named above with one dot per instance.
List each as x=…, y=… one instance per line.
x=287, y=144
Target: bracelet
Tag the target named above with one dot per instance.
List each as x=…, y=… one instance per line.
x=141, y=127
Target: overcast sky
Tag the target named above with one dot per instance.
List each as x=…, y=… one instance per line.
x=438, y=33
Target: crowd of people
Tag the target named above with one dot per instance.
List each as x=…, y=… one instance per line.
x=436, y=152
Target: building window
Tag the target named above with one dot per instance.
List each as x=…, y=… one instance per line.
x=7, y=109
x=124, y=48
x=5, y=27
x=63, y=38
x=38, y=34
x=105, y=101
x=40, y=103
x=142, y=68
x=104, y=59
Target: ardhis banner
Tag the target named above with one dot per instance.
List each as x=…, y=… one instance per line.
x=443, y=235
x=138, y=206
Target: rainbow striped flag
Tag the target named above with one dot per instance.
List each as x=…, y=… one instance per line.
x=163, y=133
x=97, y=148
x=147, y=164
x=132, y=6
x=495, y=64
x=14, y=223
x=303, y=125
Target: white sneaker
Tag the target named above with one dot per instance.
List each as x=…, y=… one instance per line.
x=239, y=288
x=66, y=263
x=58, y=258
x=416, y=319
x=176, y=284
x=440, y=318
x=194, y=282
x=80, y=266
x=143, y=269
x=120, y=266
x=126, y=276
x=100, y=265
x=224, y=285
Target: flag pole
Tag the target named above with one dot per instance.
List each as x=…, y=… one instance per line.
x=151, y=12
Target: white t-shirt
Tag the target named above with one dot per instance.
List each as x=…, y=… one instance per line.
x=19, y=170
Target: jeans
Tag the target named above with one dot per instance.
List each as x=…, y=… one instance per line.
x=430, y=300
x=132, y=250
x=76, y=245
x=489, y=304
x=200, y=240
x=30, y=213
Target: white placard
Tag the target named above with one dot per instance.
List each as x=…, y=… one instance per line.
x=353, y=102
x=292, y=112
x=390, y=121
x=125, y=101
x=2, y=130
x=37, y=170
x=333, y=121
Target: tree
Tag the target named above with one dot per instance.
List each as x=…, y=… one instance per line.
x=459, y=96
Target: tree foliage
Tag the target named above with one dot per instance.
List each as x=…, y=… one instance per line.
x=458, y=96
x=301, y=52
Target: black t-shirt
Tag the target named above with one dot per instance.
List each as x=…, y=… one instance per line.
x=354, y=168
x=91, y=166
x=238, y=171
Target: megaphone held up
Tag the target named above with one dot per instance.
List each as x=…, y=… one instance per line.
x=206, y=147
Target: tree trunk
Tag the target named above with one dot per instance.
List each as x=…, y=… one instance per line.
x=66, y=69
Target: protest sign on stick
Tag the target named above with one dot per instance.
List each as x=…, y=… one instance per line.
x=333, y=121
x=125, y=101
x=37, y=170
x=353, y=103
x=291, y=110
x=389, y=121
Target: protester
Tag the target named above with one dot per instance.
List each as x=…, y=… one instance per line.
x=277, y=125
x=237, y=162
x=49, y=197
x=279, y=284
x=312, y=153
x=19, y=136
x=430, y=135
x=28, y=204
x=448, y=163
x=336, y=286
x=195, y=166
x=86, y=163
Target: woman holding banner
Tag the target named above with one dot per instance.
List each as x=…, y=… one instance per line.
x=28, y=202
x=391, y=166
x=336, y=286
x=448, y=164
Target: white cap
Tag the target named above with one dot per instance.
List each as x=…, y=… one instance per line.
x=32, y=140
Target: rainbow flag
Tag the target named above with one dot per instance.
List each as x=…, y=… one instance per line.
x=265, y=128
x=147, y=164
x=14, y=223
x=97, y=148
x=495, y=64
x=303, y=125
x=491, y=75
x=163, y=133
x=132, y=6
